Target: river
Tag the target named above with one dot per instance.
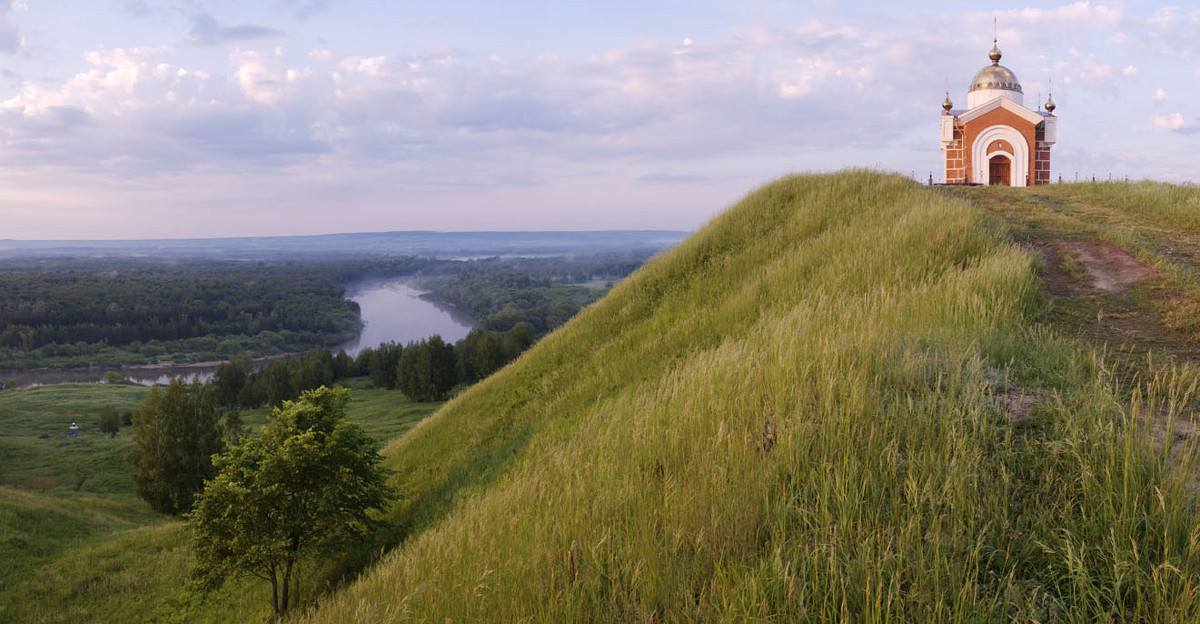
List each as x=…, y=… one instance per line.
x=391, y=311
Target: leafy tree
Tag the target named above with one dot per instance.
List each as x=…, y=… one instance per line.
x=110, y=421
x=427, y=370
x=518, y=339
x=176, y=432
x=230, y=378
x=300, y=489
x=314, y=370
x=480, y=354
x=343, y=365
x=252, y=394
x=382, y=365
x=276, y=381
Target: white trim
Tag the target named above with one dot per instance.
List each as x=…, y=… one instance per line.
x=1018, y=173
x=947, y=130
x=1032, y=117
x=1051, y=129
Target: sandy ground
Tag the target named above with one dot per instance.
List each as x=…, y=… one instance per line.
x=1110, y=268
x=406, y=288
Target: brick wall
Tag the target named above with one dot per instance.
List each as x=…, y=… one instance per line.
x=956, y=170
x=1041, y=168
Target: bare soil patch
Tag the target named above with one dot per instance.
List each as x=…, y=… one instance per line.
x=1096, y=306
x=1110, y=268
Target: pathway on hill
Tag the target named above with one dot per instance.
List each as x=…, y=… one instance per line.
x=1125, y=283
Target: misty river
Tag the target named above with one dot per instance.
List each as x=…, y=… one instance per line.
x=391, y=311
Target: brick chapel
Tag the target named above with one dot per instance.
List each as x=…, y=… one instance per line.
x=996, y=139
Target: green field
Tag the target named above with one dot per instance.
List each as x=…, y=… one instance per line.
x=79, y=546
x=849, y=398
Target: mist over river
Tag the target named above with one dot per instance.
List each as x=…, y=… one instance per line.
x=391, y=311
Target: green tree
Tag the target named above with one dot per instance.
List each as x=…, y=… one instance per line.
x=176, y=431
x=110, y=421
x=480, y=354
x=518, y=339
x=382, y=365
x=276, y=380
x=299, y=490
x=427, y=370
x=230, y=378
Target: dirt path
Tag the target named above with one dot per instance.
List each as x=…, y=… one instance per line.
x=1104, y=300
x=1110, y=268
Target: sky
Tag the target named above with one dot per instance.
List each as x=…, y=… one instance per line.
x=202, y=118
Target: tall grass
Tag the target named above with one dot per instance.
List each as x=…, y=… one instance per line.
x=1158, y=202
x=799, y=415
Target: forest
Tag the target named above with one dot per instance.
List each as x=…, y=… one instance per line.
x=72, y=312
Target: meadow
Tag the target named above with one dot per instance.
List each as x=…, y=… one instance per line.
x=79, y=546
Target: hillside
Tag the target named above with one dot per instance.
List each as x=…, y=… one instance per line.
x=848, y=398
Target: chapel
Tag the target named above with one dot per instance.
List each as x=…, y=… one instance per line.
x=996, y=139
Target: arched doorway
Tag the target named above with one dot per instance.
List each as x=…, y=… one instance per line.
x=1016, y=149
x=1000, y=170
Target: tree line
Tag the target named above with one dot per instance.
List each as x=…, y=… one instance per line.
x=70, y=313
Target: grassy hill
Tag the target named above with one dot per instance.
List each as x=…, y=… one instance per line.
x=848, y=398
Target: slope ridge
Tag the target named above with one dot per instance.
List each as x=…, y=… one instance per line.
x=795, y=414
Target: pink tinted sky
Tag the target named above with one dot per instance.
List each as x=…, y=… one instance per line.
x=197, y=118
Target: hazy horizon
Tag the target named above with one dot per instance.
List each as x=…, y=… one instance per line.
x=261, y=236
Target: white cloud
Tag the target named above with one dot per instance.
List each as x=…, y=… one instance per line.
x=1173, y=121
x=372, y=66
x=808, y=94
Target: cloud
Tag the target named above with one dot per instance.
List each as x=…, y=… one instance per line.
x=206, y=32
x=1173, y=121
x=304, y=9
x=136, y=8
x=1160, y=95
x=814, y=95
x=11, y=42
x=771, y=91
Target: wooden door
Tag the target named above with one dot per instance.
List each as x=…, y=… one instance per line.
x=999, y=170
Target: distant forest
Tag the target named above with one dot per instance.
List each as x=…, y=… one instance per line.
x=110, y=312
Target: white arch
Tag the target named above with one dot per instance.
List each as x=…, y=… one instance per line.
x=1018, y=173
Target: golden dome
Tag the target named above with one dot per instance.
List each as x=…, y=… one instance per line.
x=947, y=105
x=1050, y=106
x=995, y=76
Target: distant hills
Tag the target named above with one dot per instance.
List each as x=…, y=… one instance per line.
x=366, y=244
